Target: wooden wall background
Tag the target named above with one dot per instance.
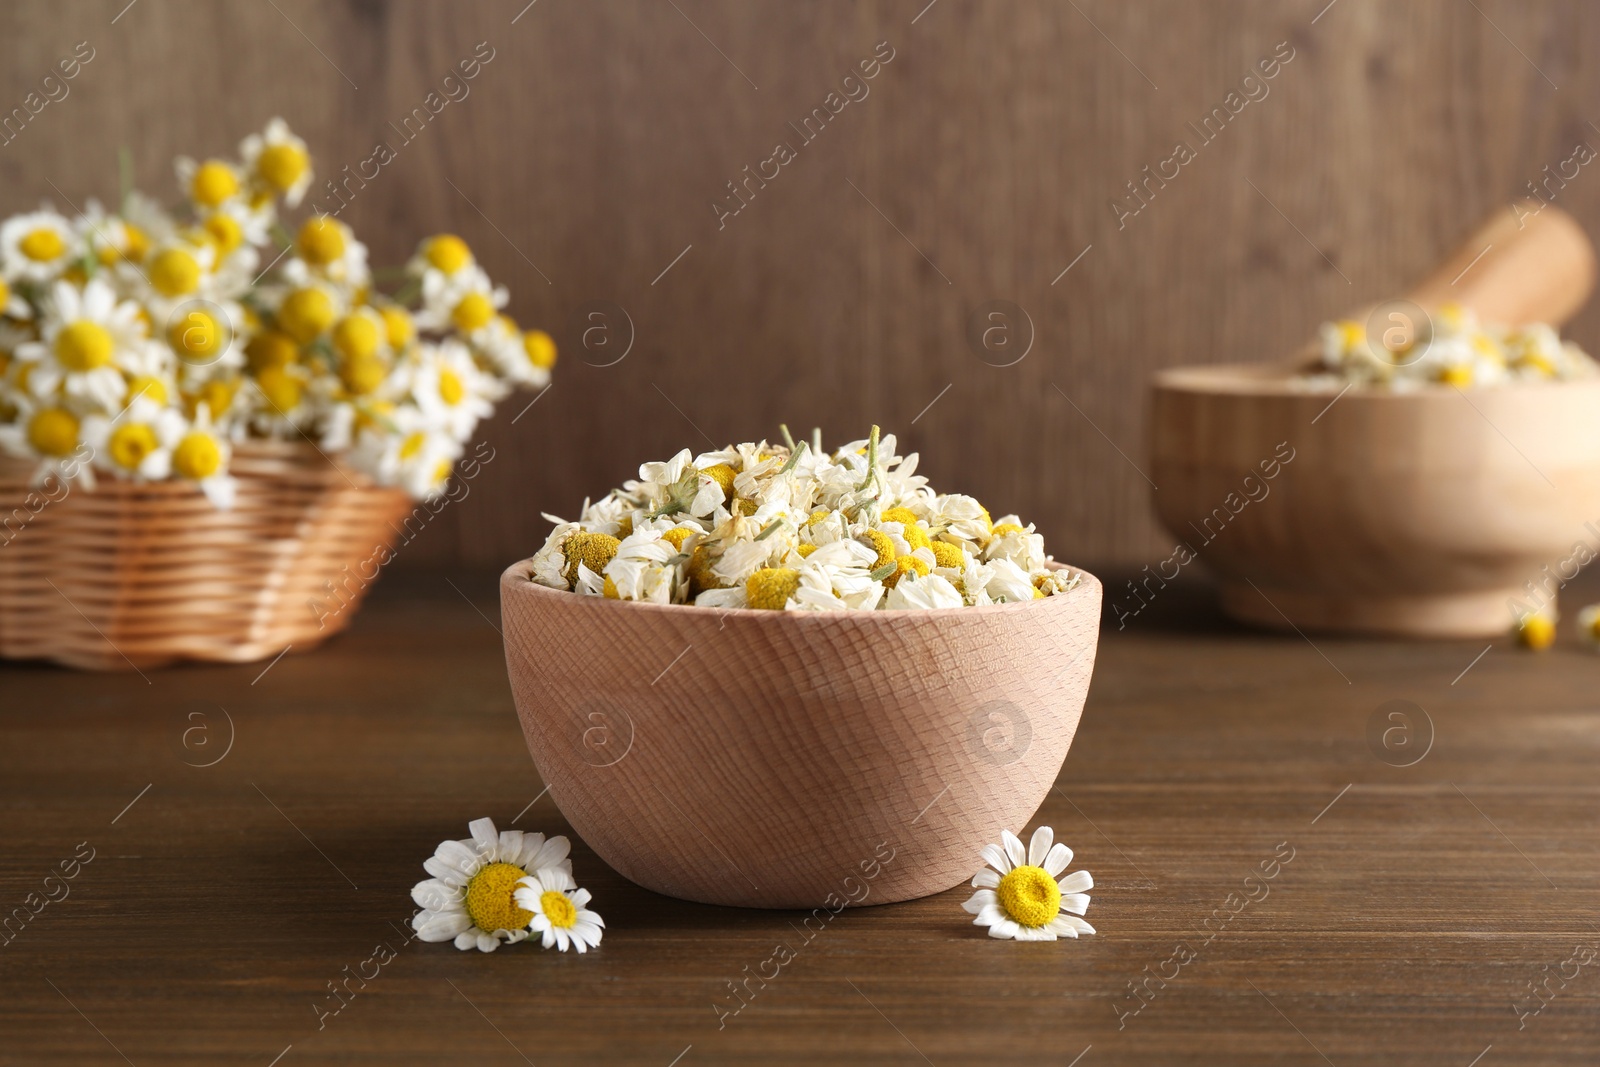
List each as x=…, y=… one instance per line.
x=596, y=139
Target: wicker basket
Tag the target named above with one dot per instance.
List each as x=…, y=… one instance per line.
x=137, y=575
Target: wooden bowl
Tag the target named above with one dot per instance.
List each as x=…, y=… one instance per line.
x=1418, y=514
x=796, y=759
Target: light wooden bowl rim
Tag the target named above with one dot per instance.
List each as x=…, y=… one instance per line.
x=1275, y=380
x=523, y=569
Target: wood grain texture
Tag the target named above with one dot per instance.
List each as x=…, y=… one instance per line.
x=596, y=140
x=783, y=755
x=1413, y=919
x=130, y=575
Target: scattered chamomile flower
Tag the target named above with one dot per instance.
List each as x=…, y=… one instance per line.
x=1537, y=630
x=473, y=897
x=559, y=915
x=1022, y=895
x=1589, y=627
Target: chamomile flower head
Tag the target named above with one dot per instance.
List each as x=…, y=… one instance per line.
x=1022, y=894
x=1589, y=627
x=138, y=442
x=465, y=302
x=451, y=390
x=471, y=898
x=443, y=254
x=200, y=455
x=208, y=184
x=560, y=915
x=88, y=338
x=50, y=433
x=37, y=246
x=278, y=161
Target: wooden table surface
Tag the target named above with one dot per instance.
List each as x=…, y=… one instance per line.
x=1421, y=907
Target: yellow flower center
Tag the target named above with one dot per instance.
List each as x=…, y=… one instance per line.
x=448, y=253
x=137, y=242
x=610, y=589
x=281, y=165
x=1029, y=896
x=722, y=474
x=5, y=294
x=900, y=515
x=1351, y=333
x=1459, y=375
x=197, y=456
x=356, y=336
x=213, y=183
x=906, y=565
x=1537, y=631
x=806, y=550
x=593, y=550
x=225, y=232
x=491, y=901
x=558, y=909
x=43, y=244
x=541, y=349
x=305, y=313
x=771, y=587
x=53, y=432
x=412, y=444
x=175, y=273
x=945, y=554
x=271, y=349
x=880, y=543
x=216, y=396
x=1005, y=528
x=146, y=385
x=281, y=387
x=451, y=391
x=130, y=444
x=474, y=312
x=397, y=325
x=84, y=345
x=677, y=536
x=321, y=241
x=363, y=375
x=196, y=337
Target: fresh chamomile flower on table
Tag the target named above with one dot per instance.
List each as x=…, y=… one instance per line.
x=559, y=915
x=1022, y=895
x=1589, y=627
x=37, y=246
x=473, y=897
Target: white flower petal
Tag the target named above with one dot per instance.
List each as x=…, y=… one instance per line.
x=1076, y=923
x=978, y=901
x=443, y=926
x=444, y=872
x=997, y=858
x=487, y=942
x=459, y=856
x=1013, y=847
x=1057, y=859
x=551, y=854
x=435, y=895
x=1005, y=928
x=1077, y=903
x=1039, y=845
x=1062, y=927
x=989, y=916
x=1077, y=882
x=986, y=879
x=466, y=940
x=485, y=836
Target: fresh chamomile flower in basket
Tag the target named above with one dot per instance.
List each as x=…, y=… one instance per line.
x=251, y=328
x=234, y=351
x=787, y=526
x=1022, y=894
x=495, y=886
